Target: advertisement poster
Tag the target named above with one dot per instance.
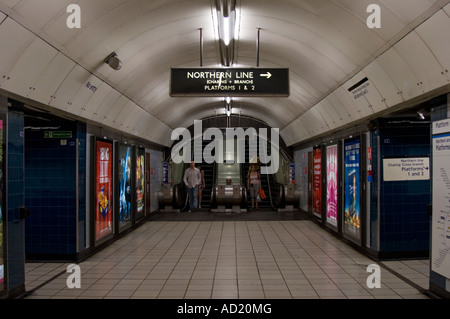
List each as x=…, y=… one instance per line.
x=292, y=173
x=440, y=232
x=332, y=184
x=2, y=210
x=140, y=183
x=352, y=178
x=104, y=190
x=165, y=178
x=124, y=186
x=317, y=182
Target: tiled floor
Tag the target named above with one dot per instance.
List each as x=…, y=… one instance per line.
x=226, y=259
x=416, y=271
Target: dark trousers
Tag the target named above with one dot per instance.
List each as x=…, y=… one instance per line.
x=193, y=198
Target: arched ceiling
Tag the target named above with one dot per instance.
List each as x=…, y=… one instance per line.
x=324, y=44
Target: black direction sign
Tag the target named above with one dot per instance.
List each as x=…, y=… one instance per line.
x=229, y=82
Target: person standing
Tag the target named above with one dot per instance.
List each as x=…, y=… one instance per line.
x=253, y=184
x=192, y=180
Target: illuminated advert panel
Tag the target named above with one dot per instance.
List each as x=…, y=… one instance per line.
x=352, y=189
x=317, y=182
x=332, y=184
x=104, y=190
x=125, y=189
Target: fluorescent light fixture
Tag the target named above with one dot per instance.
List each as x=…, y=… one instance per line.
x=420, y=115
x=228, y=106
x=224, y=17
x=227, y=26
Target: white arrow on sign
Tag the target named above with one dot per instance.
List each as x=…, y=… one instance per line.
x=267, y=75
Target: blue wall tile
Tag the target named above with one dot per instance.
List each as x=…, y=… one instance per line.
x=404, y=222
x=15, y=197
x=50, y=190
x=82, y=153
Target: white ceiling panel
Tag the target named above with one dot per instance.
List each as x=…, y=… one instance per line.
x=345, y=115
x=49, y=81
x=384, y=84
x=428, y=74
x=128, y=111
x=374, y=98
x=348, y=101
x=29, y=66
x=66, y=92
x=11, y=3
x=99, y=111
x=408, y=11
x=83, y=94
x=358, y=95
x=367, y=96
x=18, y=39
x=295, y=131
x=391, y=25
x=437, y=42
x=314, y=122
x=109, y=112
x=90, y=12
x=41, y=12
x=398, y=70
x=446, y=8
x=96, y=99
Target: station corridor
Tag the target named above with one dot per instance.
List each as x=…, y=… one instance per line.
x=269, y=259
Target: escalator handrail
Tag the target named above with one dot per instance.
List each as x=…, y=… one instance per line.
x=175, y=193
x=270, y=191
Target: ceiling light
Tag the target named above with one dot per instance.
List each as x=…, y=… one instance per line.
x=227, y=27
x=225, y=14
x=421, y=114
x=228, y=106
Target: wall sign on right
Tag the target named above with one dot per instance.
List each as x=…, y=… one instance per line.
x=406, y=169
x=440, y=231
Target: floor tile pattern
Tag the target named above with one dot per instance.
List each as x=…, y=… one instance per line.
x=228, y=259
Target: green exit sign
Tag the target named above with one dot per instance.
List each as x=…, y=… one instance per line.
x=57, y=134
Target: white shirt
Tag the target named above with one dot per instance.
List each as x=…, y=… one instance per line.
x=192, y=177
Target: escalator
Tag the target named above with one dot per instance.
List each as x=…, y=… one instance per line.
x=228, y=192
x=208, y=173
x=279, y=196
x=226, y=185
x=266, y=181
